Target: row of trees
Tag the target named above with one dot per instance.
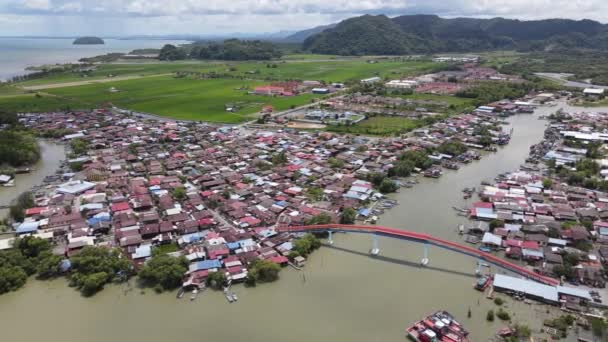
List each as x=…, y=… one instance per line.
x=29, y=256
x=230, y=50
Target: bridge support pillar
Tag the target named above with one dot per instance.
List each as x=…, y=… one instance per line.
x=425, y=258
x=375, y=245
x=330, y=239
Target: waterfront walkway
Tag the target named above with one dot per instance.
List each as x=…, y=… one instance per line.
x=425, y=239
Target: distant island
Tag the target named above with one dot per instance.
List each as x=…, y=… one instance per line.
x=88, y=41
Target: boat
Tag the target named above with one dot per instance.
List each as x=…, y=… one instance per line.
x=462, y=210
x=194, y=294
x=424, y=261
x=485, y=249
x=482, y=283
x=180, y=293
x=505, y=332
x=374, y=251
x=440, y=326
x=9, y=184
x=461, y=229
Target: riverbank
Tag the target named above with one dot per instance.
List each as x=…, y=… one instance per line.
x=52, y=154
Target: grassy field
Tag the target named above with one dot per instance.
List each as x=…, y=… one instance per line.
x=380, y=125
x=186, y=99
x=309, y=69
x=196, y=99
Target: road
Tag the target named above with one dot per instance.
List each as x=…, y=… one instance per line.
x=563, y=78
x=87, y=82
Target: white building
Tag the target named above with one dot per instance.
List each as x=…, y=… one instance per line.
x=593, y=92
x=371, y=80
x=401, y=84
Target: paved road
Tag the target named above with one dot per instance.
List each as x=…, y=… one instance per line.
x=79, y=83
x=563, y=78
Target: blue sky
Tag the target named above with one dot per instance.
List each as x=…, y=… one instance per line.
x=211, y=17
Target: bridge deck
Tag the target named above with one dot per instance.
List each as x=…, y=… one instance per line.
x=425, y=238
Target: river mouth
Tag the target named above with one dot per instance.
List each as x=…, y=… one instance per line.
x=343, y=294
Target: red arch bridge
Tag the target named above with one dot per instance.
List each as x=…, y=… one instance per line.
x=426, y=239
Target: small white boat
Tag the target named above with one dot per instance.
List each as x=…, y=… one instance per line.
x=424, y=261
x=461, y=229
x=374, y=251
x=9, y=184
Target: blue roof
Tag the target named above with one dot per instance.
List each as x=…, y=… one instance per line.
x=281, y=203
x=286, y=246
x=27, y=227
x=205, y=265
x=189, y=238
x=65, y=265
x=233, y=245
x=364, y=212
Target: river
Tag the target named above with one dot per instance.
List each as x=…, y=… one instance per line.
x=51, y=155
x=342, y=295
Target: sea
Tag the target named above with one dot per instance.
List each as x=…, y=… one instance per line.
x=16, y=54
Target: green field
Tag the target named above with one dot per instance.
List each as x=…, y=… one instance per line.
x=185, y=99
x=192, y=98
x=380, y=125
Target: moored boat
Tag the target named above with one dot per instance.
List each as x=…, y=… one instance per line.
x=440, y=326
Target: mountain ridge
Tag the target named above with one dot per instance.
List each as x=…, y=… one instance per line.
x=379, y=34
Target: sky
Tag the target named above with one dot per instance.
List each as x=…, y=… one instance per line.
x=218, y=17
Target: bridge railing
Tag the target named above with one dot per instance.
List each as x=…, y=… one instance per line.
x=425, y=238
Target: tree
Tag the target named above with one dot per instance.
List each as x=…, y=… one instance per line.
x=496, y=224
x=164, y=270
x=216, y=280
x=503, y=315
x=18, y=148
x=179, y=193
x=348, y=216
x=387, y=186
x=315, y=194
x=599, y=327
x=490, y=316
x=94, y=266
x=306, y=244
x=171, y=53
x=79, y=146
x=279, y=158
x=335, y=163
x=263, y=271
x=11, y=278
x=322, y=218
x=92, y=283
x=49, y=266
x=547, y=183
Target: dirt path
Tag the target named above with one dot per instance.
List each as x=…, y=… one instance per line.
x=79, y=83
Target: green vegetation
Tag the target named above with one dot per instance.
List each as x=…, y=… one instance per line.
x=79, y=146
x=322, y=218
x=453, y=148
x=17, y=209
x=235, y=50
x=163, y=272
x=28, y=256
x=348, y=216
x=179, y=193
x=487, y=92
x=18, y=148
x=315, y=194
x=88, y=41
x=93, y=267
x=490, y=316
x=414, y=34
x=408, y=161
x=305, y=245
x=584, y=65
x=498, y=301
x=599, y=327
x=216, y=280
x=262, y=271
x=503, y=315
x=561, y=323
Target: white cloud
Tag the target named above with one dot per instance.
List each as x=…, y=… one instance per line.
x=212, y=16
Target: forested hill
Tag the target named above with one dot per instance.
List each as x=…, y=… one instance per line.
x=411, y=34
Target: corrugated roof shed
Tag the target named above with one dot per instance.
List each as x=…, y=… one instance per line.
x=528, y=287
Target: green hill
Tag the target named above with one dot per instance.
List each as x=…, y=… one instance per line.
x=88, y=41
x=411, y=34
